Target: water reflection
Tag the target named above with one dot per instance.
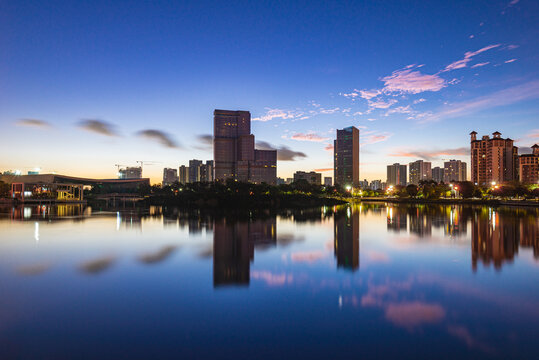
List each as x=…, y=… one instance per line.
x=346, y=239
x=233, y=248
x=372, y=273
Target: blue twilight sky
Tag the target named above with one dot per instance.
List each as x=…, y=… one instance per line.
x=82, y=82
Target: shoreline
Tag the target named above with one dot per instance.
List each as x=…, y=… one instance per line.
x=487, y=202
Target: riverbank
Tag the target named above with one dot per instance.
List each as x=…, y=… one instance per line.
x=488, y=202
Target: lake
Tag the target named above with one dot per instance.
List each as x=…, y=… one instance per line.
x=362, y=281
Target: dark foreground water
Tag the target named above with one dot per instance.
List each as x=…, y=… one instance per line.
x=366, y=282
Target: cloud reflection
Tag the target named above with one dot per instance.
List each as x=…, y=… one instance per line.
x=97, y=266
x=33, y=270
x=157, y=257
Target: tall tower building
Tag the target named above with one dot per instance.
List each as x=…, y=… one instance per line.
x=493, y=160
x=234, y=151
x=346, y=157
x=419, y=170
x=396, y=174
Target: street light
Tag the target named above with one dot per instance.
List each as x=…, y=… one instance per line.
x=348, y=188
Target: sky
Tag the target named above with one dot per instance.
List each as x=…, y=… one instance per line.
x=85, y=85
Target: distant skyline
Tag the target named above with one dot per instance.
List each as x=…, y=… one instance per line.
x=85, y=86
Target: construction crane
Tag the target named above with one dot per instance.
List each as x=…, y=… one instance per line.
x=147, y=162
x=118, y=166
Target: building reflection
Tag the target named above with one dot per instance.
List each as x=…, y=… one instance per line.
x=497, y=236
x=346, y=239
x=233, y=248
x=396, y=219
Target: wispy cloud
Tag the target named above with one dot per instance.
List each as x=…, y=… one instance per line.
x=433, y=154
x=310, y=136
x=526, y=91
x=509, y=61
x=307, y=256
x=280, y=114
x=373, y=138
x=480, y=64
x=33, y=123
x=98, y=127
x=284, y=153
x=417, y=101
x=468, y=56
x=412, y=81
x=329, y=147
x=380, y=104
x=204, y=142
x=323, y=170
x=159, y=136
x=400, y=110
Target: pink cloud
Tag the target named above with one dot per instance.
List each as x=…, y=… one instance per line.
x=480, y=64
x=413, y=82
x=329, y=147
x=374, y=138
x=432, y=154
x=369, y=94
x=459, y=64
x=510, y=61
x=377, y=256
x=310, y=136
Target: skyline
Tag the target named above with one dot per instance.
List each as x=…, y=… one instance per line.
x=128, y=87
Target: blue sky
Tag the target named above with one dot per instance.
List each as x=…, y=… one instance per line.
x=81, y=82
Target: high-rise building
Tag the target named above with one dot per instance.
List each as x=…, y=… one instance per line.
x=170, y=176
x=396, y=174
x=454, y=170
x=438, y=174
x=234, y=150
x=184, y=174
x=328, y=181
x=493, y=160
x=346, y=157
x=529, y=166
x=194, y=170
x=206, y=171
x=312, y=177
x=134, y=172
x=419, y=171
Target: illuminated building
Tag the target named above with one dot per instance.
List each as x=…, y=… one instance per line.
x=529, y=166
x=454, y=170
x=194, y=170
x=311, y=177
x=234, y=151
x=396, y=174
x=419, y=170
x=170, y=176
x=346, y=157
x=493, y=160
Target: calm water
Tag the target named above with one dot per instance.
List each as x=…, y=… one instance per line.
x=370, y=281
